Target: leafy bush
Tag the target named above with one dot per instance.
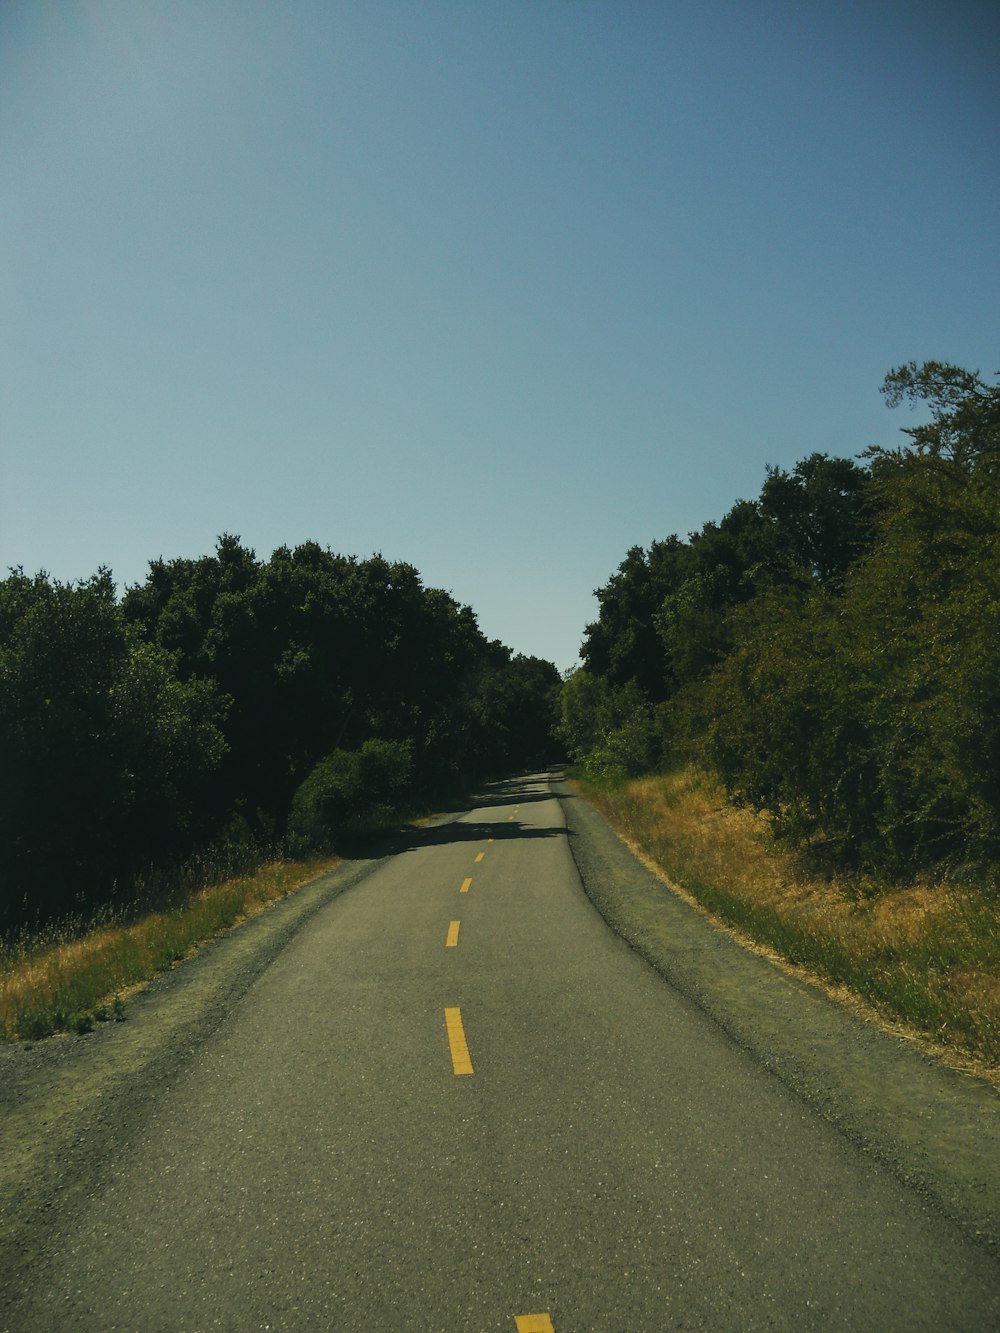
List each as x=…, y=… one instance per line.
x=107, y=756
x=626, y=751
x=607, y=729
x=348, y=792
x=873, y=715
x=832, y=649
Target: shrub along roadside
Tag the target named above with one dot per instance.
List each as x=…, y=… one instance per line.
x=348, y=795
x=926, y=955
x=65, y=980
x=71, y=974
x=135, y=732
x=831, y=649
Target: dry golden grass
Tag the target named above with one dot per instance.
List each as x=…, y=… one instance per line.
x=926, y=955
x=61, y=982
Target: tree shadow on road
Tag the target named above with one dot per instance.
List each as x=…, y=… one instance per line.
x=516, y=791
x=459, y=827
x=463, y=831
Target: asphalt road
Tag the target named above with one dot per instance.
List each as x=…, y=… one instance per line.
x=311, y=1155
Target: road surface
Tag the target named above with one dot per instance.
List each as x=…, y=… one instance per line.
x=454, y=1099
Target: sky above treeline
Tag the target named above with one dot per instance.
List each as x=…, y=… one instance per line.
x=497, y=289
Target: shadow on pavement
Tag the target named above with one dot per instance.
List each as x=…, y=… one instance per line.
x=515, y=791
x=472, y=831
x=459, y=828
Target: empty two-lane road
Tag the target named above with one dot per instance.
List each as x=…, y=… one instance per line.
x=456, y=1100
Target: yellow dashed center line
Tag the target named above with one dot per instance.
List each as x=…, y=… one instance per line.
x=452, y=939
x=533, y=1323
x=480, y=855
x=466, y=886
x=460, y=1061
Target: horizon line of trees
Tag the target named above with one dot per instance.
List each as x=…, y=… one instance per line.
x=229, y=701
x=830, y=650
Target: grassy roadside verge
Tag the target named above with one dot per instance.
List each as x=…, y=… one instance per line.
x=67, y=981
x=926, y=956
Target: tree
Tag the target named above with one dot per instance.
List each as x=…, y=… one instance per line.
x=607, y=728
x=321, y=652
x=965, y=412
x=821, y=517
x=873, y=716
x=108, y=756
x=622, y=644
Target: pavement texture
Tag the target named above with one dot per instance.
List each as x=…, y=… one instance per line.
x=658, y=1132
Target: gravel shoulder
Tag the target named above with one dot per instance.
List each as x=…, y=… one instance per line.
x=936, y=1128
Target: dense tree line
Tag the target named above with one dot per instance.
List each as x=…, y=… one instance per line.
x=832, y=648
x=277, y=702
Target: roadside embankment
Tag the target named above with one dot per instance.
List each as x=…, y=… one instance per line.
x=936, y=1127
x=67, y=979
x=67, y=1101
x=923, y=954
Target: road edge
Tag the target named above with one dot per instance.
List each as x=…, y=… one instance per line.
x=66, y=1102
x=936, y=1128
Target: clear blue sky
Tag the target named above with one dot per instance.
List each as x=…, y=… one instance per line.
x=498, y=288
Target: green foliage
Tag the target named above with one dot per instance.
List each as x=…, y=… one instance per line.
x=820, y=518
x=693, y=625
x=107, y=755
x=666, y=616
x=132, y=733
x=511, y=712
x=784, y=730
x=607, y=729
x=833, y=648
x=347, y=792
x=319, y=651
x=874, y=716
x=622, y=644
